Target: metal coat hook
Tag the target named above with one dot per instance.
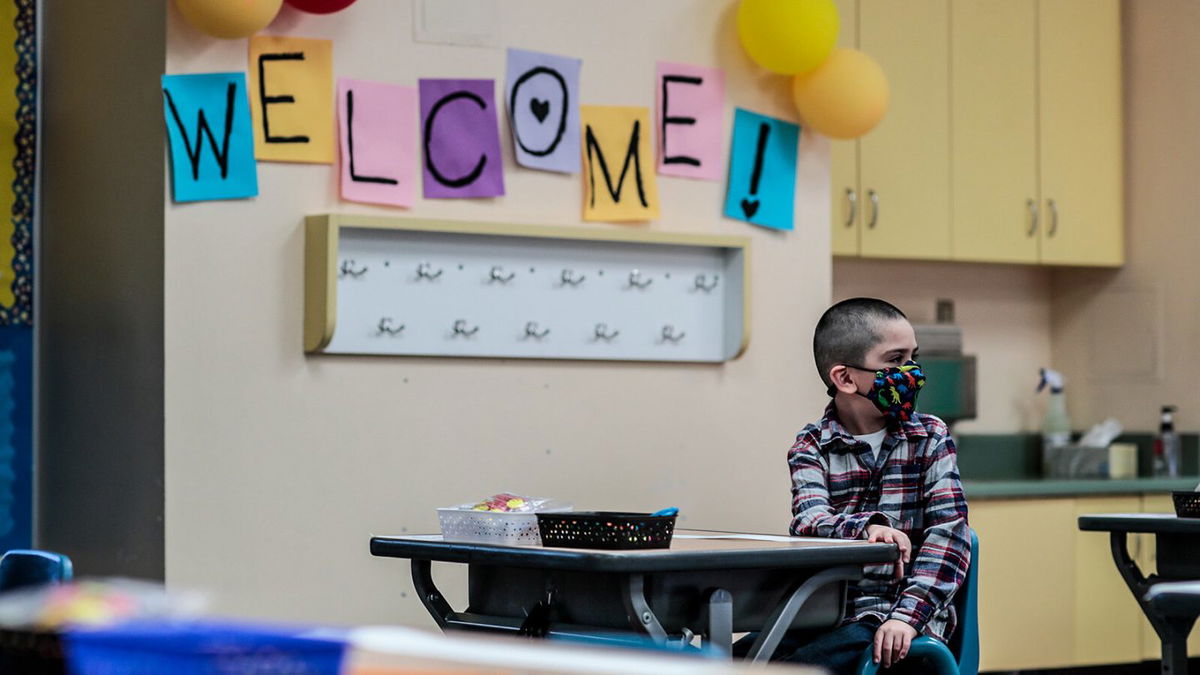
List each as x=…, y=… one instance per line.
x=703, y=284
x=603, y=334
x=425, y=271
x=497, y=274
x=636, y=280
x=669, y=334
x=569, y=278
x=386, y=326
x=347, y=269
x=460, y=328
x=531, y=330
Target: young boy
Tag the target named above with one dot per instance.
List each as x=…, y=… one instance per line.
x=873, y=468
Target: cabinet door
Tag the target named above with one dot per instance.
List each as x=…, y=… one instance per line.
x=1108, y=621
x=1079, y=114
x=1026, y=582
x=993, y=91
x=845, y=207
x=904, y=163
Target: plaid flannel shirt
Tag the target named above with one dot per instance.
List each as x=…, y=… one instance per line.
x=913, y=485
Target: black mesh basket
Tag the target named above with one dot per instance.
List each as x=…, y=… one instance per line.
x=605, y=529
x=1187, y=504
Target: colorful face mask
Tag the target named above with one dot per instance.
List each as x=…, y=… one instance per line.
x=895, y=390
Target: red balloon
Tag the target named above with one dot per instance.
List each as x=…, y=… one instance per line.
x=321, y=6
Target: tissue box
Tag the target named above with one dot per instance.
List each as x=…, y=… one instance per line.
x=1075, y=461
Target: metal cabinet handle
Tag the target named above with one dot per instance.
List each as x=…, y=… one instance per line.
x=1031, y=204
x=874, y=197
x=1053, y=207
x=852, y=201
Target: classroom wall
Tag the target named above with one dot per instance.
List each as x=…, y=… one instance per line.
x=279, y=466
x=1004, y=313
x=1127, y=339
x=99, y=312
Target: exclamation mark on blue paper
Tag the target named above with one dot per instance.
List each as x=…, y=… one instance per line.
x=750, y=206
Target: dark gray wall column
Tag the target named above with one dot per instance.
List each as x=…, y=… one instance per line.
x=100, y=276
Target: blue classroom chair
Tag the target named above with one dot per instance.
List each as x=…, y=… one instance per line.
x=961, y=656
x=21, y=568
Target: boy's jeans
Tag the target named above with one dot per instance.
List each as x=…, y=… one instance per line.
x=837, y=650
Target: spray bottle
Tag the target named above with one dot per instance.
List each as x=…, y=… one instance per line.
x=1056, y=426
x=1166, y=446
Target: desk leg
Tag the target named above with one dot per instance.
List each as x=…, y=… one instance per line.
x=431, y=597
x=720, y=621
x=641, y=617
x=781, y=619
x=1174, y=647
x=1172, y=633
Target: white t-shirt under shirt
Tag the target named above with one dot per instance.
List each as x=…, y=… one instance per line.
x=875, y=440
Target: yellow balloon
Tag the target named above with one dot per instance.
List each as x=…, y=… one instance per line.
x=788, y=36
x=229, y=18
x=845, y=97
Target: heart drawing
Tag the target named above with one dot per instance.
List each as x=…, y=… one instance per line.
x=539, y=108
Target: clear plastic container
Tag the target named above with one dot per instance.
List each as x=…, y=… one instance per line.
x=496, y=527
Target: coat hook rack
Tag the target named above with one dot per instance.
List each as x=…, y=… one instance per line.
x=511, y=291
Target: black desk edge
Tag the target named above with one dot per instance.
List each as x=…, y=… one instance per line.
x=1133, y=523
x=667, y=561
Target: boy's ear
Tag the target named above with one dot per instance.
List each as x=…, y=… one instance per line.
x=840, y=377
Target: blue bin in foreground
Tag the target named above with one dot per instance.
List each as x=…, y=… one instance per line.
x=195, y=648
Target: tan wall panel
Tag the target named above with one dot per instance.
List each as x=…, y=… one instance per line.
x=279, y=466
x=1147, y=310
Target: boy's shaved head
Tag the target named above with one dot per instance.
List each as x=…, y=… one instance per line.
x=848, y=330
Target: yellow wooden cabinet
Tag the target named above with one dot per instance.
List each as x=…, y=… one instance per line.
x=843, y=158
x=891, y=189
x=1002, y=142
x=1026, y=586
x=1050, y=595
x=1079, y=116
x=1108, y=621
x=994, y=135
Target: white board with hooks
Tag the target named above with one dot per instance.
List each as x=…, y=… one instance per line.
x=396, y=286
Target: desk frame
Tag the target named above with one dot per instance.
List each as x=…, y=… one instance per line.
x=1178, y=549
x=814, y=570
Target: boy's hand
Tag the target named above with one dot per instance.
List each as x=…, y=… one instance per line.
x=891, y=535
x=892, y=640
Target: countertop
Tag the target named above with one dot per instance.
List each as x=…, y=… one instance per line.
x=1008, y=489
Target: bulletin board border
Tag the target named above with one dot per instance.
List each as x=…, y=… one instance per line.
x=20, y=313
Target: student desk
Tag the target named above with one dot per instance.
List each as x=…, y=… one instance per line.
x=1178, y=545
x=711, y=583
